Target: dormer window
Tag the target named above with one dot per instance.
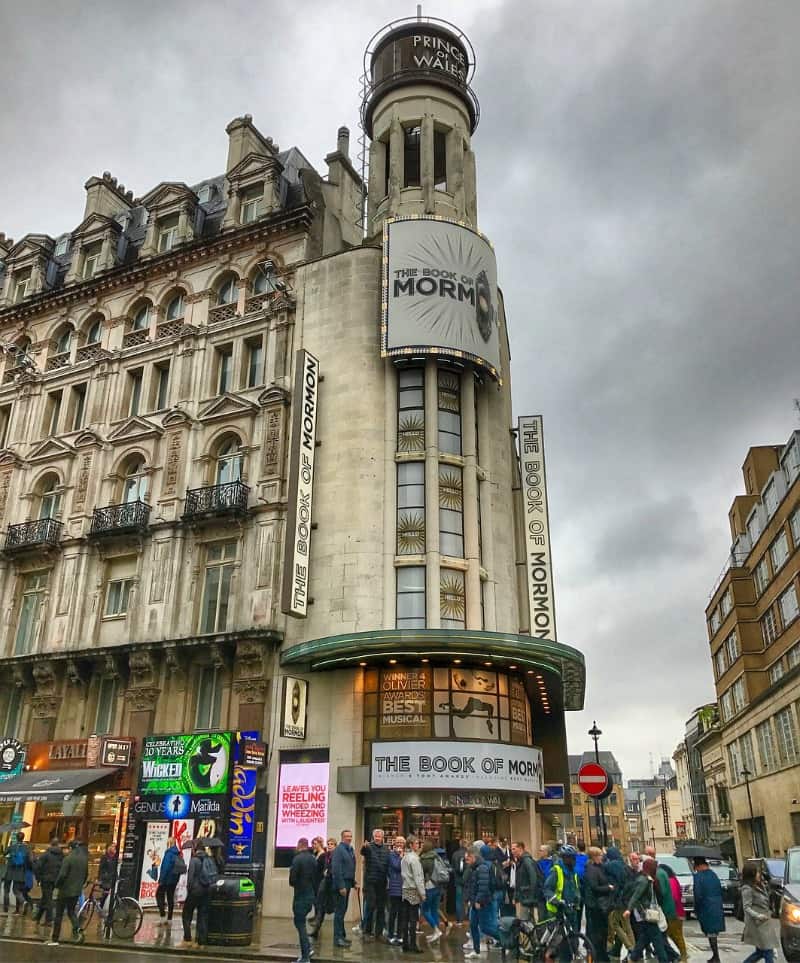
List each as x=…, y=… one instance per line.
x=205, y=192
x=91, y=260
x=167, y=233
x=62, y=246
x=251, y=204
x=22, y=284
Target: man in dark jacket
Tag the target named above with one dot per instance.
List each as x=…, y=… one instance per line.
x=46, y=869
x=622, y=878
x=168, y=878
x=598, y=892
x=302, y=878
x=527, y=881
x=479, y=895
x=343, y=870
x=458, y=862
x=376, y=876
x=708, y=904
x=18, y=863
x=69, y=883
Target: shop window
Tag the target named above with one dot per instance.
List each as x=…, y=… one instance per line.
x=106, y=707
x=34, y=592
x=220, y=564
x=209, y=698
x=766, y=746
x=411, y=156
x=411, y=508
x=440, y=160
x=788, y=750
x=118, y=597
x=255, y=362
x=451, y=511
x=449, y=414
x=452, y=599
x=13, y=714
x=411, y=409
x=411, y=597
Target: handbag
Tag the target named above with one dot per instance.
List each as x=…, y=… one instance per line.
x=653, y=912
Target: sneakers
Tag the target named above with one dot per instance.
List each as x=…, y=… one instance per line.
x=467, y=945
x=357, y=930
x=395, y=941
x=472, y=955
x=52, y=943
x=184, y=945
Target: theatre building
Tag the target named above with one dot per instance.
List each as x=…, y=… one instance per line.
x=258, y=473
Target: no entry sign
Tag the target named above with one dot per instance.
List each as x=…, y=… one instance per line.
x=593, y=779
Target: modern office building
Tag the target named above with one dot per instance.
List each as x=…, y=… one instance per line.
x=754, y=637
x=258, y=474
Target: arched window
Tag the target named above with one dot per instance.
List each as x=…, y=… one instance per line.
x=229, y=290
x=229, y=461
x=49, y=497
x=264, y=281
x=141, y=317
x=64, y=341
x=134, y=487
x=95, y=332
x=176, y=308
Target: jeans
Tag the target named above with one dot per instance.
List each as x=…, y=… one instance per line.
x=409, y=914
x=597, y=932
x=197, y=899
x=374, y=906
x=430, y=908
x=45, y=903
x=338, y=916
x=768, y=956
x=648, y=933
x=301, y=907
x=65, y=903
x=165, y=894
x=22, y=894
x=393, y=924
x=459, y=902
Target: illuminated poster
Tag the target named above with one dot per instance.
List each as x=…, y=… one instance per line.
x=155, y=845
x=184, y=776
x=182, y=830
x=242, y=815
x=405, y=703
x=302, y=802
x=295, y=703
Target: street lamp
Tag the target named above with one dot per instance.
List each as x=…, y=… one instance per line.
x=747, y=773
x=599, y=809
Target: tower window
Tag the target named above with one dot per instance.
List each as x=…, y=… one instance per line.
x=440, y=160
x=411, y=164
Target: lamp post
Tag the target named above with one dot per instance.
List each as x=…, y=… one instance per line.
x=599, y=810
x=747, y=774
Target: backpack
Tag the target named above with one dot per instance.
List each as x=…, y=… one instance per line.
x=207, y=875
x=18, y=856
x=178, y=866
x=440, y=873
x=497, y=879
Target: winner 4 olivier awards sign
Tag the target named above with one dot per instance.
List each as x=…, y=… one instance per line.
x=439, y=292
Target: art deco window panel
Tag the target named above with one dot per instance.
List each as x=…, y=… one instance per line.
x=411, y=597
x=452, y=599
x=411, y=508
x=451, y=511
x=449, y=414
x=411, y=410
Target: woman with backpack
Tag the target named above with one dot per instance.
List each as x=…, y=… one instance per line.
x=432, y=873
x=202, y=875
x=757, y=915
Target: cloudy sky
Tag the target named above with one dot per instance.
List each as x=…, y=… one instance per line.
x=637, y=167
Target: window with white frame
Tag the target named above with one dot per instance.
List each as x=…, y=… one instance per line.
x=714, y=621
x=766, y=746
x=761, y=575
x=62, y=246
x=776, y=671
x=734, y=762
x=779, y=551
x=252, y=200
x=220, y=566
x=167, y=233
x=746, y=752
x=229, y=462
x=118, y=594
x=411, y=597
x=771, y=498
x=229, y=291
x=786, y=731
x=788, y=603
x=769, y=628
x=22, y=283
x=209, y=698
x=11, y=724
x=95, y=332
x=753, y=527
x=725, y=603
x=720, y=665
x=738, y=694
x=134, y=487
x=91, y=259
x=141, y=318
x=732, y=647
x=50, y=497
x=34, y=592
x=791, y=462
x=793, y=656
x=726, y=705
x=176, y=308
x=794, y=525
x=106, y=706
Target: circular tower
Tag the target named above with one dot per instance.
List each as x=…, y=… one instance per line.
x=419, y=112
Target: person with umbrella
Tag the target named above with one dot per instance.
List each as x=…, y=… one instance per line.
x=202, y=875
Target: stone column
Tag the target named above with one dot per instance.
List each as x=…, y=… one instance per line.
x=432, y=495
x=149, y=244
x=389, y=496
x=455, y=169
x=251, y=684
x=395, y=164
x=426, y=162
x=184, y=227
x=470, y=188
x=106, y=253
x=485, y=442
x=377, y=174
x=231, y=218
x=470, y=495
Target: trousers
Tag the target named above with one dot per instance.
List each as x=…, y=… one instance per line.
x=196, y=899
x=65, y=904
x=409, y=914
x=301, y=907
x=374, y=908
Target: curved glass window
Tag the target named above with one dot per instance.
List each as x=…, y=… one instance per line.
x=141, y=319
x=449, y=414
x=229, y=463
x=176, y=308
x=95, y=332
x=229, y=291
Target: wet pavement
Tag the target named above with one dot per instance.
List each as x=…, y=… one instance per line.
x=275, y=939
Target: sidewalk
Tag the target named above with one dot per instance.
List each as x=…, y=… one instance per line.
x=276, y=939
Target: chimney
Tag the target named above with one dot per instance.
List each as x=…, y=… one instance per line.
x=104, y=196
x=6, y=243
x=244, y=139
x=343, y=142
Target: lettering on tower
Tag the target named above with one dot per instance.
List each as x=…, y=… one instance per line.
x=440, y=292
x=537, y=528
x=297, y=546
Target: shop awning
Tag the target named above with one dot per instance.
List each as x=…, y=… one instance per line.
x=46, y=785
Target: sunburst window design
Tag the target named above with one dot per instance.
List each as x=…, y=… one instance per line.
x=411, y=409
x=410, y=533
x=451, y=511
x=411, y=508
x=449, y=413
x=411, y=433
x=452, y=599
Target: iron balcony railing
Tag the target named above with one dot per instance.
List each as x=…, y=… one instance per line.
x=216, y=500
x=42, y=532
x=119, y=519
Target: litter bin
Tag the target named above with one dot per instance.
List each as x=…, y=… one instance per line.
x=231, y=912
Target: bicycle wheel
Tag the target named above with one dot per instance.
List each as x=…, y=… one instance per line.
x=128, y=918
x=581, y=949
x=85, y=915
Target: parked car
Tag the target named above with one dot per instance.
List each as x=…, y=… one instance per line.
x=790, y=907
x=731, y=885
x=772, y=874
x=682, y=868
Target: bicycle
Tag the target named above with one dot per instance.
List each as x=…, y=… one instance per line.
x=552, y=939
x=125, y=915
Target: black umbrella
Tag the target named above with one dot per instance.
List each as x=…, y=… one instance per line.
x=13, y=827
x=709, y=852
x=211, y=841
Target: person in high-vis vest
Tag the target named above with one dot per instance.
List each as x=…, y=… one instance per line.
x=562, y=888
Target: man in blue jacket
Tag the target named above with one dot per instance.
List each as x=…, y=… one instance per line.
x=708, y=904
x=343, y=872
x=478, y=894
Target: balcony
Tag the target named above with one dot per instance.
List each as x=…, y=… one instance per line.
x=56, y=361
x=223, y=312
x=42, y=533
x=229, y=499
x=134, y=338
x=128, y=518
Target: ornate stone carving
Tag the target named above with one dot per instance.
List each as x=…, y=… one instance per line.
x=272, y=441
x=173, y=462
x=142, y=668
x=45, y=706
x=175, y=661
x=5, y=484
x=76, y=673
x=139, y=700
x=251, y=691
x=44, y=677
x=249, y=659
x=84, y=472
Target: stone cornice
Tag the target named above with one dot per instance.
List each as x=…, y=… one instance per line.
x=81, y=291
